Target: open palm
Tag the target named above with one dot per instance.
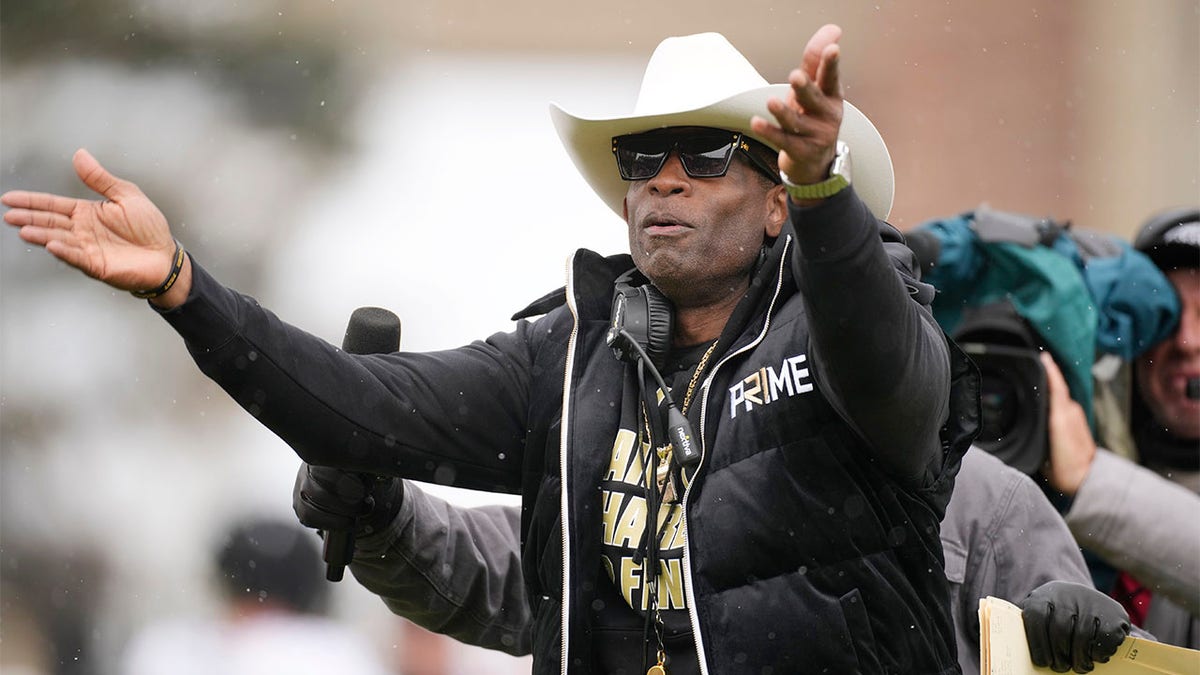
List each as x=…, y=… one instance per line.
x=123, y=241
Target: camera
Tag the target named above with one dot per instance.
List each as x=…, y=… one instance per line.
x=1013, y=388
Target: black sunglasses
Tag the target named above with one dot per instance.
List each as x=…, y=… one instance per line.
x=704, y=153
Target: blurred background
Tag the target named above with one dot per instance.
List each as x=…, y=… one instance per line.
x=323, y=155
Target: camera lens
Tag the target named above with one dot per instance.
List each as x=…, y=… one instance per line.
x=1012, y=404
x=1000, y=406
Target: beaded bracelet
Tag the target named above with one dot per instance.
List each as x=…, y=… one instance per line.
x=172, y=276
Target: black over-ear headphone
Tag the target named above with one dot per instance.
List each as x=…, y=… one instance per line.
x=646, y=315
x=642, y=322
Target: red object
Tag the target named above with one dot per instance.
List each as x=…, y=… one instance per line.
x=1133, y=596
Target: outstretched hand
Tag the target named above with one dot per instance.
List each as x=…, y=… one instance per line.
x=124, y=241
x=807, y=123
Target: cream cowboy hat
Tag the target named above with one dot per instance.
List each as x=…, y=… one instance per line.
x=702, y=80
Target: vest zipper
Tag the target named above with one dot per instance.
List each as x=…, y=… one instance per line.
x=563, y=437
x=687, y=555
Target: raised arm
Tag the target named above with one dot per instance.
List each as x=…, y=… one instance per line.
x=884, y=362
x=381, y=414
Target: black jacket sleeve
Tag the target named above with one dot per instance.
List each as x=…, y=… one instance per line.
x=400, y=414
x=878, y=353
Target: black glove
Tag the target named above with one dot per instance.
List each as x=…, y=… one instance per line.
x=333, y=500
x=1072, y=626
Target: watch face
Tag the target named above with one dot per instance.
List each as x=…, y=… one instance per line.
x=841, y=163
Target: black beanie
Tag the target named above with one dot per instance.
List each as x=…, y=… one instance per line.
x=1171, y=238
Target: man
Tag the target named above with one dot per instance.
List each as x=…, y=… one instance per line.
x=797, y=530
x=1141, y=518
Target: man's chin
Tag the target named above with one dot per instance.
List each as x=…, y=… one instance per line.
x=661, y=268
x=1185, y=420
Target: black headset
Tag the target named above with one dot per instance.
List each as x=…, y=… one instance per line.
x=642, y=322
x=646, y=315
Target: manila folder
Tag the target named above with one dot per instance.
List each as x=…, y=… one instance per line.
x=1005, y=651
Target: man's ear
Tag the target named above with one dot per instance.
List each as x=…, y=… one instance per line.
x=625, y=209
x=777, y=210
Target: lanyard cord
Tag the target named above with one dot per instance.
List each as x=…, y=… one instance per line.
x=650, y=567
x=654, y=493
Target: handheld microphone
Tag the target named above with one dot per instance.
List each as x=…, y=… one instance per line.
x=371, y=330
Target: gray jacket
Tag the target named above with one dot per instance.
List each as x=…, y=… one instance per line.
x=1001, y=537
x=1148, y=525
x=452, y=570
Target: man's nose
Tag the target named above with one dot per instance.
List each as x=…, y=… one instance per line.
x=672, y=178
x=1187, y=336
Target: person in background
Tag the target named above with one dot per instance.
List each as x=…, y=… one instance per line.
x=1142, y=515
x=271, y=582
x=1018, y=292
x=1003, y=538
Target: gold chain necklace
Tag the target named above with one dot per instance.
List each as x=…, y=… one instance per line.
x=687, y=396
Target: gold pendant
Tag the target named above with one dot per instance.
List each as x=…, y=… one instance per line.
x=668, y=491
x=666, y=479
x=658, y=668
x=662, y=473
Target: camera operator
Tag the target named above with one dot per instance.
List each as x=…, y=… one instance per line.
x=1012, y=290
x=1141, y=516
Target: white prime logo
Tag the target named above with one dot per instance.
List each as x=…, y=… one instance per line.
x=766, y=385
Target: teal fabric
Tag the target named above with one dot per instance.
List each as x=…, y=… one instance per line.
x=1080, y=305
x=1045, y=287
x=1137, y=305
